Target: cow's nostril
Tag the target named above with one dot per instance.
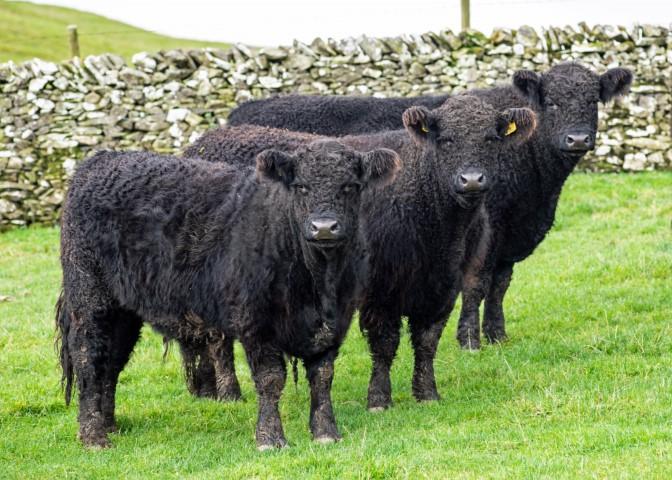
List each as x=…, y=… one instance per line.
x=480, y=178
x=335, y=228
x=463, y=180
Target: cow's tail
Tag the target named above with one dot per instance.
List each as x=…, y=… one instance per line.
x=63, y=320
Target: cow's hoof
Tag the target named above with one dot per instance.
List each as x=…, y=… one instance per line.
x=428, y=396
x=229, y=395
x=96, y=442
x=469, y=341
x=112, y=428
x=498, y=336
x=327, y=439
x=263, y=447
x=378, y=403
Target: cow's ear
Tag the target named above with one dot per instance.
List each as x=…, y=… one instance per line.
x=380, y=167
x=516, y=124
x=276, y=166
x=529, y=84
x=420, y=124
x=614, y=83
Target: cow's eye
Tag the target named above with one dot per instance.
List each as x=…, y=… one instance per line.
x=300, y=188
x=349, y=188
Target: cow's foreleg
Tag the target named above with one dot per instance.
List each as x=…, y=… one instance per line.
x=269, y=372
x=320, y=373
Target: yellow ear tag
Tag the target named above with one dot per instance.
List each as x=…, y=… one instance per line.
x=511, y=128
x=424, y=128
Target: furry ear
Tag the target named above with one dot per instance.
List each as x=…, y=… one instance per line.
x=380, y=167
x=516, y=124
x=419, y=124
x=276, y=166
x=614, y=83
x=529, y=84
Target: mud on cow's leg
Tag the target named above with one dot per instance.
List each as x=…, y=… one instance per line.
x=493, y=320
x=90, y=340
x=475, y=284
x=267, y=364
x=382, y=333
x=320, y=373
x=468, y=326
x=124, y=335
x=425, y=338
x=226, y=382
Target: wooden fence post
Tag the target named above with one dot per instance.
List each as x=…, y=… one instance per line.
x=466, y=21
x=74, y=41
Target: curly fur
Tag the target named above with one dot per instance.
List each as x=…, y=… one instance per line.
x=416, y=228
x=522, y=205
x=328, y=115
x=203, y=251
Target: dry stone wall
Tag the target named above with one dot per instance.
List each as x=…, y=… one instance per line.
x=53, y=115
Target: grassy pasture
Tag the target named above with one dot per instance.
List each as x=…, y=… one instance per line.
x=30, y=30
x=582, y=390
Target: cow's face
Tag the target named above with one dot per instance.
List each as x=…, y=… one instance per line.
x=466, y=136
x=324, y=182
x=566, y=98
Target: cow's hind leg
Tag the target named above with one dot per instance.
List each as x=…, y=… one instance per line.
x=493, y=320
x=90, y=345
x=382, y=333
x=125, y=332
x=199, y=369
x=221, y=355
x=425, y=336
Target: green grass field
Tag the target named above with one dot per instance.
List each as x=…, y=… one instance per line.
x=583, y=389
x=30, y=30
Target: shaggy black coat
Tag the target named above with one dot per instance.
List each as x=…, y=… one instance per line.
x=329, y=115
x=202, y=250
x=522, y=207
x=415, y=228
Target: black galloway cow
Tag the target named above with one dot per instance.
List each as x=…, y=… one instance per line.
x=415, y=228
x=329, y=114
x=522, y=207
x=272, y=257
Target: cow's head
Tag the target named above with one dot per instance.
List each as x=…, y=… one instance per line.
x=324, y=181
x=566, y=98
x=466, y=136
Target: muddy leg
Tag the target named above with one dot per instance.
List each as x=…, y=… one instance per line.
x=320, y=375
x=269, y=372
x=198, y=368
x=468, y=328
x=474, y=287
x=221, y=354
x=382, y=333
x=124, y=336
x=89, y=341
x=493, y=320
x=425, y=338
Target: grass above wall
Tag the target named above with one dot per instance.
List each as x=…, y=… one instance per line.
x=582, y=390
x=30, y=30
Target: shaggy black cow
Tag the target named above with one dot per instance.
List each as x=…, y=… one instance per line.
x=201, y=250
x=415, y=228
x=522, y=207
x=329, y=115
